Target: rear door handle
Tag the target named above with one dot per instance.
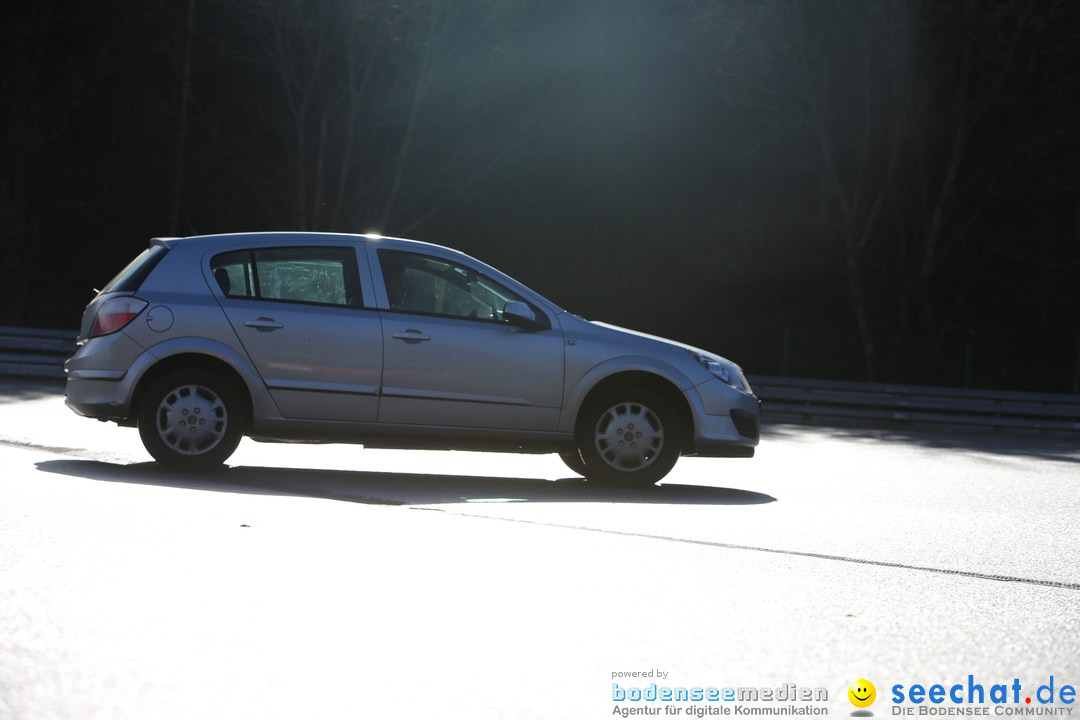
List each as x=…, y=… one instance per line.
x=412, y=336
x=264, y=323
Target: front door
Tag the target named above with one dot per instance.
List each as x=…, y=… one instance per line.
x=451, y=360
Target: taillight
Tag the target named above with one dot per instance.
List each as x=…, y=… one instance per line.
x=115, y=314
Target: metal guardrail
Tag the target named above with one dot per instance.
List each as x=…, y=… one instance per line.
x=35, y=353
x=868, y=404
x=40, y=354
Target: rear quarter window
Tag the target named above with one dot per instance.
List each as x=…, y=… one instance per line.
x=131, y=278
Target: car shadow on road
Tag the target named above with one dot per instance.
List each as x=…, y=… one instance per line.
x=380, y=488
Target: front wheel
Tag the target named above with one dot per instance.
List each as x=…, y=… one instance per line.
x=191, y=420
x=629, y=437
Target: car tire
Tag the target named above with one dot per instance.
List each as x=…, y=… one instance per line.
x=191, y=420
x=629, y=437
x=573, y=461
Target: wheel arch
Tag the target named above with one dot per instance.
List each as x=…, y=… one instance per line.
x=641, y=378
x=192, y=360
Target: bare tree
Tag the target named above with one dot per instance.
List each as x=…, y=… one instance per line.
x=374, y=106
x=41, y=92
x=908, y=114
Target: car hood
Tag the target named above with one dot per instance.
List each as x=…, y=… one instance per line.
x=646, y=338
x=630, y=342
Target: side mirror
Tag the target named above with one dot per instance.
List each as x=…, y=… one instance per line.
x=518, y=313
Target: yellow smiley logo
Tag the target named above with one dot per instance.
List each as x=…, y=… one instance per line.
x=862, y=693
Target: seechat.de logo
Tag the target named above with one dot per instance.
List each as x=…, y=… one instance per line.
x=862, y=694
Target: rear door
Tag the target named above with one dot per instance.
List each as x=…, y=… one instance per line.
x=301, y=315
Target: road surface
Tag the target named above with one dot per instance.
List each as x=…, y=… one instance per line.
x=338, y=582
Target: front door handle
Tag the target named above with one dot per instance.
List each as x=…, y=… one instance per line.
x=264, y=323
x=412, y=336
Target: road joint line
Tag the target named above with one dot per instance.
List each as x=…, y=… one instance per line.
x=776, y=551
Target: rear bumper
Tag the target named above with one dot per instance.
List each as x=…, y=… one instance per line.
x=101, y=399
x=98, y=377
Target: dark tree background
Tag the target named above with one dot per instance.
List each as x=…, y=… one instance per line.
x=879, y=189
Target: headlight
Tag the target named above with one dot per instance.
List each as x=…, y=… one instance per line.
x=726, y=370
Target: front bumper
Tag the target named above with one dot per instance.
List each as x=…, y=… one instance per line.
x=726, y=421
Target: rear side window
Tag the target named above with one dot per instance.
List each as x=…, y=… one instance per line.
x=131, y=278
x=315, y=275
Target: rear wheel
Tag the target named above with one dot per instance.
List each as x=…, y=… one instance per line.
x=191, y=420
x=629, y=436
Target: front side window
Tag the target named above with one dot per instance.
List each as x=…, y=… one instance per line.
x=316, y=275
x=430, y=285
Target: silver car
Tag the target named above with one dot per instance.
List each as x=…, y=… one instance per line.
x=388, y=343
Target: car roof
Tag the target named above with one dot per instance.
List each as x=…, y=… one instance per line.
x=207, y=243
x=291, y=236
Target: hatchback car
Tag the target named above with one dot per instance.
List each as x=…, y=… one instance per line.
x=388, y=343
